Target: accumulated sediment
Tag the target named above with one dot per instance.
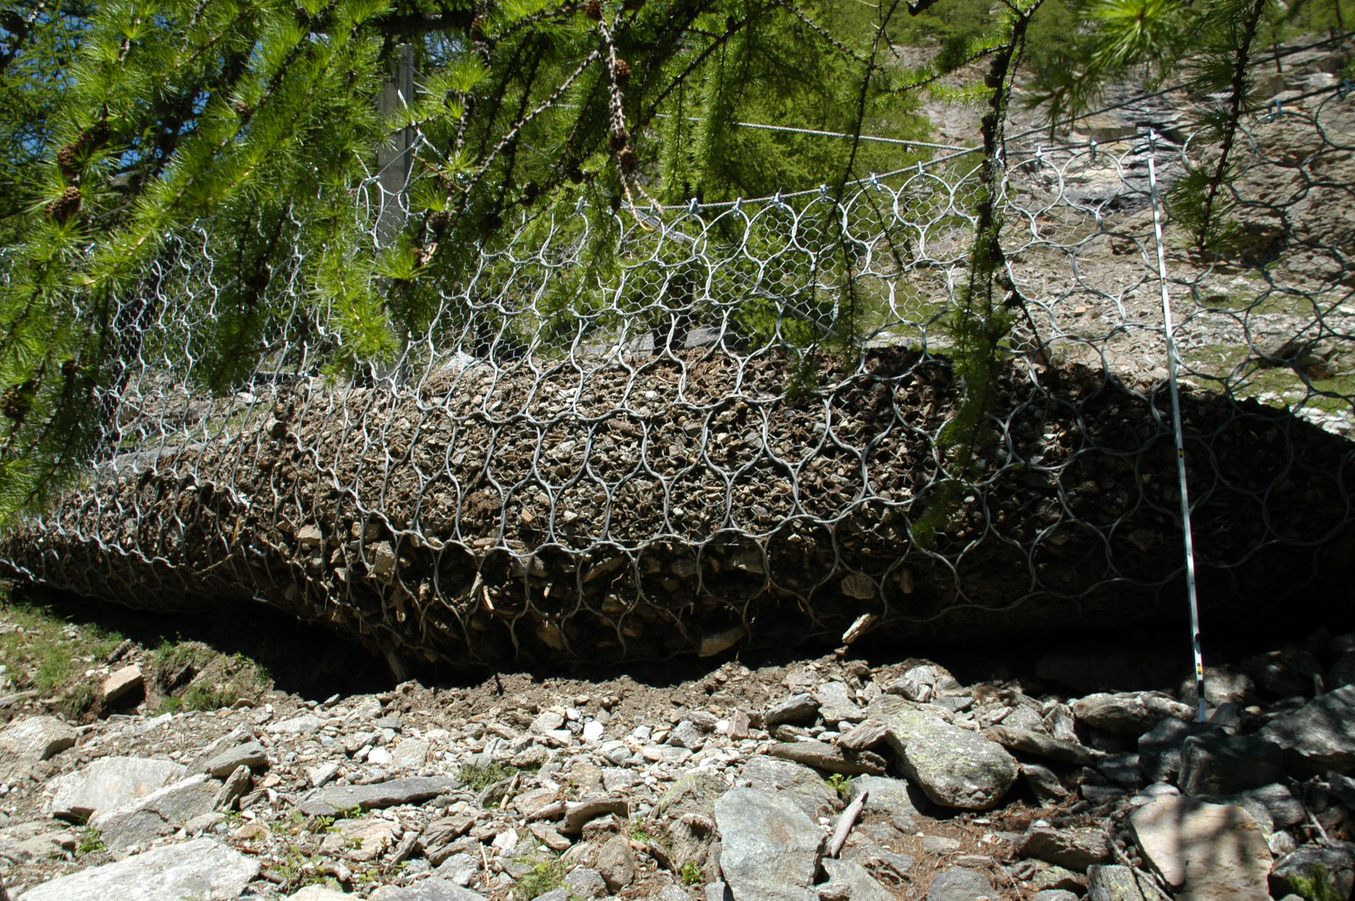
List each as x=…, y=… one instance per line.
x=656, y=506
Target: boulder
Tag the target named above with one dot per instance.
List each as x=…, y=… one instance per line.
x=769, y=849
x=1045, y=747
x=200, y=870
x=954, y=767
x=335, y=799
x=797, y=710
x=615, y=863
x=851, y=881
x=801, y=786
x=1317, y=737
x=829, y=758
x=1219, y=764
x=123, y=684
x=1328, y=869
x=1129, y=713
x=1205, y=852
x=109, y=783
x=159, y=813
x=29, y=741
x=1075, y=849
x=224, y=762
x=961, y=884
x=427, y=890
x=1118, y=883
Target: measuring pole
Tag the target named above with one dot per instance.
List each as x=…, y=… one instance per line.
x=1169, y=332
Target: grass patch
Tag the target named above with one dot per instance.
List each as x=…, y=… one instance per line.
x=840, y=784
x=44, y=652
x=691, y=873
x=545, y=876
x=90, y=841
x=478, y=778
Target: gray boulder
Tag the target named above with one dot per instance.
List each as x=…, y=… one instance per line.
x=1075, y=849
x=333, y=800
x=1310, y=867
x=1318, y=737
x=29, y=741
x=954, y=767
x=428, y=890
x=961, y=884
x=769, y=848
x=852, y=881
x=109, y=783
x=201, y=870
x=1217, y=764
x=159, y=813
x=1205, y=852
x=1130, y=713
x=799, y=785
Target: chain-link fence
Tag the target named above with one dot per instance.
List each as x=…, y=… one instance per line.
x=663, y=430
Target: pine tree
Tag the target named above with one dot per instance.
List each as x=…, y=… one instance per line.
x=128, y=124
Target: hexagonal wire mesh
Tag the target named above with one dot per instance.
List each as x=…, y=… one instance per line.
x=667, y=430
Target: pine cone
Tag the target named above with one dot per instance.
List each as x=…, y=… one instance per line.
x=593, y=10
x=622, y=72
x=63, y=210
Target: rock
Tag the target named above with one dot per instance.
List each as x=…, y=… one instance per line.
x=1222, y=685
x=233, y=789
x=159, y=813
x=1054, y=877
x=961, y=884
x=108, y=783
x=1024, y=741
x=1053, y=894
x=769, y=849
x=1215, y=764
x=202, y=870
x=364, y=839
x=887, y=796
x=1075, y=849
x=1304, y=871
x=335, y=799
x=1128, y=713
x=616, y=863
x=864, y=735
x=954, y=767
x=1044, y=783
x=1317, y=737
x=836, y=704
x=410, y=754
x=1285, y=673
x=223, y=763
x=1160, y=748
x=432, y=889
x=1115, y=883
x=829, y=758
x=579, y=813
x=1206, y=851
x=319, y=893
x=122, y=684
x=797, y=710
x=800, y=785
x=586, y=882
x=304, y=724
x=851, y=881
x=1342, y=672
x=922, y=681
x=29, y=741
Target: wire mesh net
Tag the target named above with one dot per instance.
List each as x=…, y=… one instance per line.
x=657, y=431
